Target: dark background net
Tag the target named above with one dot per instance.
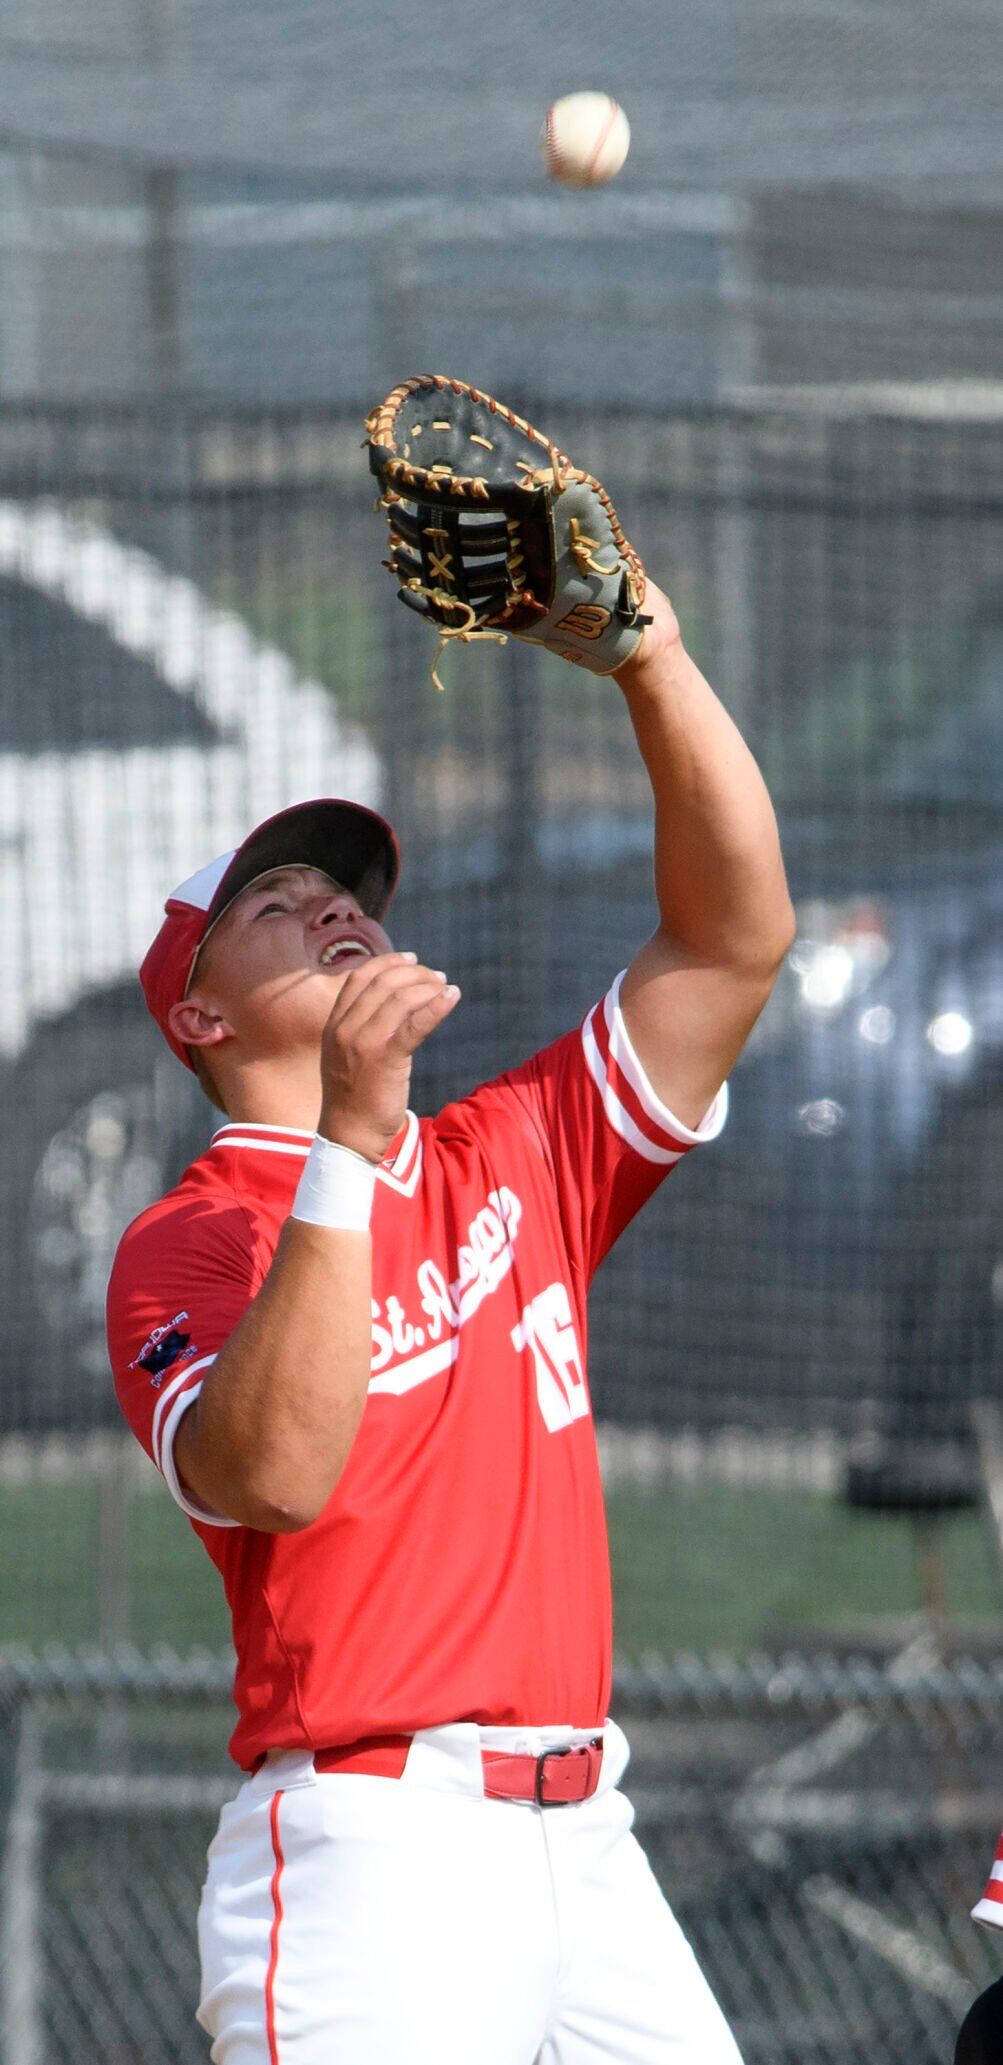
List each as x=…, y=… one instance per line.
x=225, y=231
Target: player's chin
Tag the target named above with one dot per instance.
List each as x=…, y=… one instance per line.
x=299, y=1009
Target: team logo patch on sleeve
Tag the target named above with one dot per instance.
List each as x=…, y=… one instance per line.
x=164, y=1346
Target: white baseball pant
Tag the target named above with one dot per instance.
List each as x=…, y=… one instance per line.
x=355, y=1920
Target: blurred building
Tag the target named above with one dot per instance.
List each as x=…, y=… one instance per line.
x=282, y=206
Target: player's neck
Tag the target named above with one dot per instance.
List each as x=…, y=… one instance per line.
x=269, y=1093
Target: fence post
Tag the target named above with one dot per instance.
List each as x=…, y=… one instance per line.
x=20, y=1903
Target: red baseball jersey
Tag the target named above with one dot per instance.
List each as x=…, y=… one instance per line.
x=460, y=1568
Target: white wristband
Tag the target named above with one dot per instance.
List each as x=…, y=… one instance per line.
x=336, y=1188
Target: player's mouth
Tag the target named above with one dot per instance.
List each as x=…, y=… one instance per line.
x=344, y=950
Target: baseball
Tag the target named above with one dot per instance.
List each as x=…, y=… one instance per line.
x=585, y=139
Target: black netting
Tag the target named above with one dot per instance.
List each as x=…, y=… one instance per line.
x=844, y=567
x=225, y=231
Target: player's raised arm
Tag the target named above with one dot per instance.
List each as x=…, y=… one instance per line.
x=693, y=993
x=493, y=529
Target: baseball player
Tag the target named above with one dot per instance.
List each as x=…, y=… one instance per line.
x=354, y=1344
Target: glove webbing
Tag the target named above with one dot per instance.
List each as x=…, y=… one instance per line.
x=463, y=562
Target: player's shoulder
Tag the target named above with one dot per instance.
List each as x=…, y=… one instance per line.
x=199, y=1210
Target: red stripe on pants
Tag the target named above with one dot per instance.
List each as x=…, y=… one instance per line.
x=273, y=2048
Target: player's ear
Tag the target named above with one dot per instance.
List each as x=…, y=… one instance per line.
x=197, y=1025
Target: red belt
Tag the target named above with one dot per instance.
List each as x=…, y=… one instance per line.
x=554, y=1779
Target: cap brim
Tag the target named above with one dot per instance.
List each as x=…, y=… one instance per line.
x=344, y=840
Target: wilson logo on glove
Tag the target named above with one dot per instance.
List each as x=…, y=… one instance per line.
x=587, y=619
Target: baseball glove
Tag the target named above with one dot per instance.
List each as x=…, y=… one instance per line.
x=492, y=529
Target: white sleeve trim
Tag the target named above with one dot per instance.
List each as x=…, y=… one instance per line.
x=177, y=1383
x=178, y=1407
x=617, y=1116
x=622, y=1048
x=671, y=1138
x=989, y=1912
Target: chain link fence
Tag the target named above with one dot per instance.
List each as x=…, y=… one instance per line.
x=835, y=562
x=818, y=1828
x=807, y=1350
x=192, y=606
x=225, y=231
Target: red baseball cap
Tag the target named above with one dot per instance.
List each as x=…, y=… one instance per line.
x=344, y=840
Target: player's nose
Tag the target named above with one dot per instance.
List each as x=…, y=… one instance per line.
x=337, y=907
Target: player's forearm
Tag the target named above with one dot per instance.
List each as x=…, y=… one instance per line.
x=271, y=1431
x=719, y=874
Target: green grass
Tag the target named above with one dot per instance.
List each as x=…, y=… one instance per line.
x=695, y=1567
x=51, y=1564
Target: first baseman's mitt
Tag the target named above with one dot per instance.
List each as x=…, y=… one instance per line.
x=492, y=529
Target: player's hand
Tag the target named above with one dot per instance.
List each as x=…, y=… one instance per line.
x=384, y=1010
